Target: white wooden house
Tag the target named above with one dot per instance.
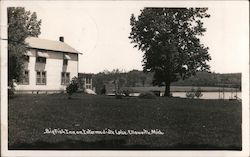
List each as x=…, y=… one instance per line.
x=49, y=66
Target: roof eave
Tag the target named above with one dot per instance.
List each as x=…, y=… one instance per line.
x=54, y=50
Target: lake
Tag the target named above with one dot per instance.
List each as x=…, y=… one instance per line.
x=211, y=95
x=205, y=95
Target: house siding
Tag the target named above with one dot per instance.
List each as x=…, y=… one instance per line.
x=53, y=67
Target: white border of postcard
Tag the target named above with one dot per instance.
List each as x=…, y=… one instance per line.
x=245, y=79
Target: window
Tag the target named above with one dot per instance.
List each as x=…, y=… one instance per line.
x=88, y=83
x=88, y=80
x=66, y=57
x=40, y=59
x=41, y=77
x=88, y=86
x=65, y=62
x=25, y=80
x=65, y=78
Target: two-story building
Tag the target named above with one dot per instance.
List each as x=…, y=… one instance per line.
x=49, y=66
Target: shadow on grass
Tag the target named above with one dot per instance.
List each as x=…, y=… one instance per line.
x=111, y=145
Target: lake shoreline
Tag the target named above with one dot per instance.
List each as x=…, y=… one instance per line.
x=182, y=89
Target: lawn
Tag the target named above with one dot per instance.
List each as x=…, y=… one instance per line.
x=187, y=124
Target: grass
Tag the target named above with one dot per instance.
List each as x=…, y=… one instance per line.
x=186, y=124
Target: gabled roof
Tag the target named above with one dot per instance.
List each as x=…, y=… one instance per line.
x=51, y=45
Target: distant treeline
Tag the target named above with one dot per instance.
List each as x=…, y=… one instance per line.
x=212, y=80
x=137, y=78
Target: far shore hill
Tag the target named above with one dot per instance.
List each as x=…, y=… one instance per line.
x=137, y=81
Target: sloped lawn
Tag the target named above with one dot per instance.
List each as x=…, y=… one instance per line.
x=186, y=124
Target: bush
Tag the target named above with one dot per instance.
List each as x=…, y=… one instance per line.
x=194, y=93
x=147, y=95
x=157, y=93
x=127, y=92
x=11, y=92
x=103, y=90
x=118, y=96
x=11, y=89
x=190, y=94
x=72, y=87
x=198, y=93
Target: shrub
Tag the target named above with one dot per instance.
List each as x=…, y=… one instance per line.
x=156, y=92
x=11, y=92
x=190, y=94
x=118, y=96
x=198, y=93
x=11, y=89
x=194, y=93
x=127, y=92
x=72, y=87
x=103, y=90
x=147, y=95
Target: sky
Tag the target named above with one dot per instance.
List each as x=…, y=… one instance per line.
x=100, y=31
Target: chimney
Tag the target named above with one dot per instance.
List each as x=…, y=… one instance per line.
x=61, y=39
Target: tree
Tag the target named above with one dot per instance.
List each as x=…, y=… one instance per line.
x=118, y=80
x=143, y=78
x=21, y=24
x=72, y=87
x=169, y=38
x=116, y=76
x=132, y=78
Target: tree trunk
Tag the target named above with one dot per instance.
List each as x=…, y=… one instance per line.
x=167, y=89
